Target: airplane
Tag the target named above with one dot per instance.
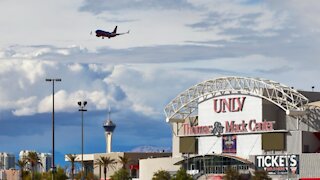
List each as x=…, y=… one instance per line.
x=103, y=34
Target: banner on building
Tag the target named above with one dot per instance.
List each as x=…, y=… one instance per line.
x=229, y=144
x=278, y=164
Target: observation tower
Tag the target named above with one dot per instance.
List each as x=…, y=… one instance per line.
x=109, y=127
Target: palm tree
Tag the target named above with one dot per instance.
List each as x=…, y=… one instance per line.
x=72, y=159
x=106, y=162
x=182, y=174
x=161, y=175
x=2, y=165
x=22, y=165
x=261, y=175
x=33, y=159
x=231, y=174
x=124, y=161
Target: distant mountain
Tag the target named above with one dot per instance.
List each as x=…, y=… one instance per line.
x=151, y=149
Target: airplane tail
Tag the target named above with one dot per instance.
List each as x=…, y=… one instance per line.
x=115, y=29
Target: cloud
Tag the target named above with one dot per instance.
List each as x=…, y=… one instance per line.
x=136, y=85
x=240, y=18
x=100, y=6
x=302, y=13
x=29, y=93
x=76, y=67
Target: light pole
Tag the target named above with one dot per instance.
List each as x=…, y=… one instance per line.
x=82, y=105
x=53, y=166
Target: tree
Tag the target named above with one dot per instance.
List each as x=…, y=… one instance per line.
x=161, y=175
x=22, y=165
x=232, y=174
x=121, y=174
x=72, y=159
x=106, y=162
x=60, y=174
x=34, y=176
x=124, y=161
x=2, y=165
x=33, y=159
x=261, y=175
x=182, y=175
x=91, y=176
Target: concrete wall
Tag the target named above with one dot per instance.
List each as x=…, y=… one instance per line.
x=176, y=140
x=134, y=158
x=149, y=166
x=310, y=140
x=271, y=112
x=309, y=165
x=293, y=143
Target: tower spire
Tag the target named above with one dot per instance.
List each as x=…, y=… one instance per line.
x=109, y=127
x=109, y=113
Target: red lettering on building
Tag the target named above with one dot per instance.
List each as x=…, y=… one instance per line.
x=196, y=130
x=260, y=126
x=233, y=127
x=229, y=128
x=231, y=104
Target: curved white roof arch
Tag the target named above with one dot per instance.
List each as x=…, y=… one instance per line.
x=186, y=103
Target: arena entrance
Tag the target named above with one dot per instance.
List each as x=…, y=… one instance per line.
x=214, y=165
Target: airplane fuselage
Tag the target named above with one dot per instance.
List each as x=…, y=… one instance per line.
x=101, y=33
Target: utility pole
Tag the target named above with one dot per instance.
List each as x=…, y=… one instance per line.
x=53, y=165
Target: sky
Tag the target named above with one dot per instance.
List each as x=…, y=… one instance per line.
x=172, y=45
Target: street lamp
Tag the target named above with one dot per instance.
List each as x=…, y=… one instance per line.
x=82, y=105
x=53, y=166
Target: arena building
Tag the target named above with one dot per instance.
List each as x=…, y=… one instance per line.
x=242, y=123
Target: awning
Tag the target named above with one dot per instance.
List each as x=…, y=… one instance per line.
x=134, y=166
x=245, y=161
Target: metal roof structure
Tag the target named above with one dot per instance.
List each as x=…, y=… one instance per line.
x=244, y=161
x=186, y=103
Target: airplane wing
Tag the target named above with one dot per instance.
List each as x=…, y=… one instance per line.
x=123, y=33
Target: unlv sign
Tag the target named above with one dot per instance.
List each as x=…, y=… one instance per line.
x=234, y=104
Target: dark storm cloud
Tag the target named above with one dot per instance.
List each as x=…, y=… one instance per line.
x=99, y=6
x=12, y=126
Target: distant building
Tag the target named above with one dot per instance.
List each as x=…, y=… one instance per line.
x=11, y=174
x=45, y=159
x=7, y=161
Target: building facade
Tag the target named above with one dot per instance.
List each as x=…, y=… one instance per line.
x=45, y=160
x=91, y=164
x=11, y=174
x=246, y=124
x=7, y=161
